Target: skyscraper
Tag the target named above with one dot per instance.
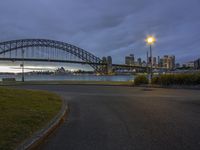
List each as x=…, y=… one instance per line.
x=139, y=61
x=197, y=64
x=109, y=65
x=158, y=62
x=109, y=60
x=129, y=60
x=167, y=62
x=154, y=62
x=104, y=59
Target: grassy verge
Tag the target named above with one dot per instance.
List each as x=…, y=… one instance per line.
x=128, y=83
x=23, y=112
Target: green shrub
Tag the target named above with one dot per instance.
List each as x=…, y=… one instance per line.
x=177, y=79
x=141, y=79
x=197, y=78
x=155, y=80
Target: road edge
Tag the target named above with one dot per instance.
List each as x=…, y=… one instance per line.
x=39, y=137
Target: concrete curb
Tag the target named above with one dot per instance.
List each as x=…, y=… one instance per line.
x=39, y=137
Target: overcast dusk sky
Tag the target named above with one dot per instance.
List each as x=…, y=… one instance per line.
x=108, y=27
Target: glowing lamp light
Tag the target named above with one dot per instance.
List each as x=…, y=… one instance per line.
x=150, y=40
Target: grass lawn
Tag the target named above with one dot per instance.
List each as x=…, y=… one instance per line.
x=23, y=112
x=125, y=83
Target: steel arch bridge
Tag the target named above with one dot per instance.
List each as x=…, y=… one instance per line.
x=23, y=44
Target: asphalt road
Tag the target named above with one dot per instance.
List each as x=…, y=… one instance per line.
x=126, y=118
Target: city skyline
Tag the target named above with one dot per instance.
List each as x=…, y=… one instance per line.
x=131, y=59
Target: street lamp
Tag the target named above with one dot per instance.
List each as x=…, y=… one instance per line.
x=150, y=41
x=22, y=65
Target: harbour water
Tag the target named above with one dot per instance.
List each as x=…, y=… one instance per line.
x=72, y=77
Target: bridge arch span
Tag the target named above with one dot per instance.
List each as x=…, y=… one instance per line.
x=84, y=55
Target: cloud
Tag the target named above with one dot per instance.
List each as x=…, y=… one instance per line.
x=107, y=27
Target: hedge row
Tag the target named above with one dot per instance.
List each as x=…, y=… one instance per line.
x=177, y=79
x=170, y=79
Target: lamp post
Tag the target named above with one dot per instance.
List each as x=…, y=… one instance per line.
x=22, y=65
x=150, y=41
